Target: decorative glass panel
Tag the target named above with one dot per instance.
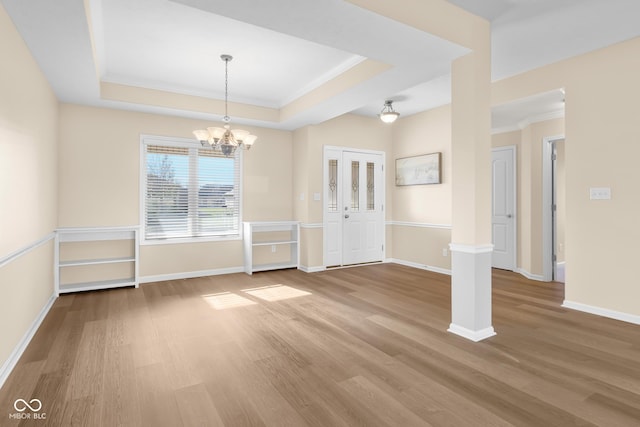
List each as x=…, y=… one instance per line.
x=333, y=185
x=355, y=186
x=371, y=203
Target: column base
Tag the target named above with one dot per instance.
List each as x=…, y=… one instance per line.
x=474, y=336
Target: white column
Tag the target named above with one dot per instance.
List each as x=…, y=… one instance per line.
x=471, y=291
x=471, y=247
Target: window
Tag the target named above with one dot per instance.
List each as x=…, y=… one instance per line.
x=189, y=191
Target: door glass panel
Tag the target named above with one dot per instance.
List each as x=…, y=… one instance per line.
x=333, y=185
x=371, y=202
x=355, y=186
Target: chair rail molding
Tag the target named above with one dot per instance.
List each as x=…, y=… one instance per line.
x=26, y=249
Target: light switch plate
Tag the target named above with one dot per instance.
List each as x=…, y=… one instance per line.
x=316, y=197
x=600, y=193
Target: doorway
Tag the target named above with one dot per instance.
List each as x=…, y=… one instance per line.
x=503, y=207
x=353, y=211
x=553, y=201
x=558, y=209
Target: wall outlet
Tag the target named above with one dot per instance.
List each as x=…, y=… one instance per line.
x=316, y=197
x=445, y=252
x=273, y=248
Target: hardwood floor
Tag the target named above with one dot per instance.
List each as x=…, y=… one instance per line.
x=364, y=346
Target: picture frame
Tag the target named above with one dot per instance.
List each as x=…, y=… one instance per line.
x=419, y=170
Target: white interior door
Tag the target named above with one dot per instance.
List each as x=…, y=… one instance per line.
x=503, y=208
x=354, y=204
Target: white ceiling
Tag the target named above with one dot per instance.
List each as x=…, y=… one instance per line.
x=522, y=112
x=284, y=49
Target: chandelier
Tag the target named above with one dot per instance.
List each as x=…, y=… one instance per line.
x=225, y=139
x=388, y=114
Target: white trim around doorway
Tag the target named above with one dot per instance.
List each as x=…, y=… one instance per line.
x=547, y=202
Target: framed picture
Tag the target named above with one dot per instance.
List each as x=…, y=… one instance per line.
x=417, y=170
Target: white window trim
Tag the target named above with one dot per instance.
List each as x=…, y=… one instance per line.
x=187, y=143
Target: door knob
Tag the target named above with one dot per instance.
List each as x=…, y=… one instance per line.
x=509, y=215
x=346, y=216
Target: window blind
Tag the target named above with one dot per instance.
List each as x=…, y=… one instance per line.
x=190, y=192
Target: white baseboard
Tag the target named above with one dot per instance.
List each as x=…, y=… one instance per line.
x=190, y=274
x=420, y=266
x=474, y=336
x=15, y=355
x=525, y=273
x=604, y=312
x=440, y=270
x=307, y=269
x=471, y=249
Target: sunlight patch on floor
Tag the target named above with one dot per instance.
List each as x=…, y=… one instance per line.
x=276, y=292
x=224, y=300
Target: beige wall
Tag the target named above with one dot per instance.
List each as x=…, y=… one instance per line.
x=601, y=146
x=422, y=246
x=300, y=156
x=28, y=133
x=28, y=183
x=423, y=133
x=99, y=181
x=427, y=207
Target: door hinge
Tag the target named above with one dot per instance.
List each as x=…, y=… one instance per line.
x=555, y=258
x=382, y=248
x=554, y=208
x=554, y=157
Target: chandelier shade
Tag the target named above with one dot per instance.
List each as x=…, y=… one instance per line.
x=224, y=138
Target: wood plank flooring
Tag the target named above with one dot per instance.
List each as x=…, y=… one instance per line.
x=363, y=346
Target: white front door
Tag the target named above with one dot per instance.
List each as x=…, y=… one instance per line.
x=503, y=207
x=354, y=202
